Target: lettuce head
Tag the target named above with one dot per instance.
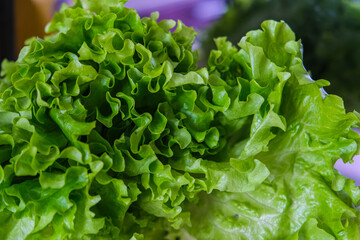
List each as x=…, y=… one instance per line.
x=110, y=130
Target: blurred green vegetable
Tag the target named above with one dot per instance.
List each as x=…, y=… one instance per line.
x=328, y=29
x=109, y=130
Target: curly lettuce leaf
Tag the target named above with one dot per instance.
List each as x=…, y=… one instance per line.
x=304, y=197
x=110, y=130
x=122, y=98
x=318, y=23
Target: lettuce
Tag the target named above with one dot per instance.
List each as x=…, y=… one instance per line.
x=304, y=197
x=328, y=29
x=110, y=130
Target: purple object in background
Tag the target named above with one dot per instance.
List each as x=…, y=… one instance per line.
x=58, y=4
x=350, y=170
x=200, y=14
x=197, y=14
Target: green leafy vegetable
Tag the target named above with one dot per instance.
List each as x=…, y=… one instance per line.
x=304, y=197
x=109, y=130
x=328, y=29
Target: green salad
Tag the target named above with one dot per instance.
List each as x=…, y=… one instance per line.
x=110, y=130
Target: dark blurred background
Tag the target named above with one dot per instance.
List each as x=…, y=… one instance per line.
x=7, y=29
x=20, y=20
